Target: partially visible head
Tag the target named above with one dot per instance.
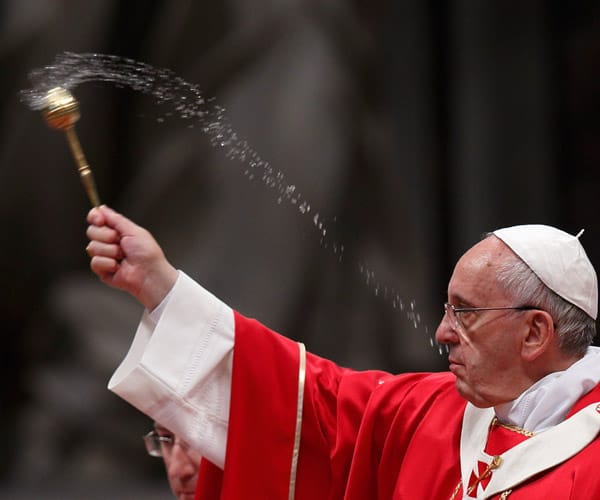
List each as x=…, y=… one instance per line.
x=181, y=462
x=497, y=354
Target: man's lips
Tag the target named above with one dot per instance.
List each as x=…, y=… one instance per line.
x=453, y=363
x=186, y=491
x=185, y=494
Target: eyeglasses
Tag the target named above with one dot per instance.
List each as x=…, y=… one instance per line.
x=454, y=312
x=156, y=443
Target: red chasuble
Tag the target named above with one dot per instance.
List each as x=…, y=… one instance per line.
x=365, y=435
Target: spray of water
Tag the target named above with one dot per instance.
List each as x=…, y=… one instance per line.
x=185, y=99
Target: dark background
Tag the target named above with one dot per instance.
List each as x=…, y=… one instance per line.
x=411, y=127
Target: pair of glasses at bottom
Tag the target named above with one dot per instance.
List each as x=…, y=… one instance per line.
x=157, y=443
x=454, y=312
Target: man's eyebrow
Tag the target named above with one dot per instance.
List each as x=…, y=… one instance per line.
x=160, y=428
x=459, y=300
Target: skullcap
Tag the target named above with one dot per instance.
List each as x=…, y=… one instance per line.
x=558, y=259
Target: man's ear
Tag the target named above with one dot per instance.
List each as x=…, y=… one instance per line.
x=539, y=336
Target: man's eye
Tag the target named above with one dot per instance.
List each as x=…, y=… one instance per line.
x=467, y=317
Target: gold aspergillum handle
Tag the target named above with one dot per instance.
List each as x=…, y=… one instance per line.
x=85, y=173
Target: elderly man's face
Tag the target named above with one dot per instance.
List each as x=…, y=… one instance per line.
x=484, y=351
x=181, y=464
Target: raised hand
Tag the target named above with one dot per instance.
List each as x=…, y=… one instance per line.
x=126, y=256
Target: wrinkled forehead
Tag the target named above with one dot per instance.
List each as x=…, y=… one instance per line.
x=475, y=272
x=486, y=253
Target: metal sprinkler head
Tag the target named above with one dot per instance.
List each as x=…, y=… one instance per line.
x=61, y=108
x=61, y=112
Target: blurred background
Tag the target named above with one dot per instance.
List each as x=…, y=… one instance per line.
x=411, y=127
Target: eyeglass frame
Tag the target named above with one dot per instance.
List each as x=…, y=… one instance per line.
x=458, y=324
x=155, y=441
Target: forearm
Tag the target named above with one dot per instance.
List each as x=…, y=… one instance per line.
x=178, y=371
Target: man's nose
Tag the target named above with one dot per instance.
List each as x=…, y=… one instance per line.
x=446, y=333
x=181, y=464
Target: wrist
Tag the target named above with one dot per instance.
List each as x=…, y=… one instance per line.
x=158, y=287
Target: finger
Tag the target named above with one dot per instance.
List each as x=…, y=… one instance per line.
x=96, y=217
x=122, y=224
x=103, y=266
x=102, y=233
x=100, y=249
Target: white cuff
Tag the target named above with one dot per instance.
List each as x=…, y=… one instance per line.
x=178, y=371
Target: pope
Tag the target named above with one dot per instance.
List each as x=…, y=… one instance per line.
x=516, y=416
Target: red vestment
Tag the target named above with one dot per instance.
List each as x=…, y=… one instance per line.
x=365, y=435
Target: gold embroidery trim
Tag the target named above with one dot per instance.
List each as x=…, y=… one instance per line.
x=514, y=428
x=494, y=464
x=496, y=461
x=298, y=431
x=456, y=490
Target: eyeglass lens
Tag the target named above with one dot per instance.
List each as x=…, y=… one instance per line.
x=449, y=311
x=156, y=442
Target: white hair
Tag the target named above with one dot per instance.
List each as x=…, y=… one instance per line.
x=575, y=328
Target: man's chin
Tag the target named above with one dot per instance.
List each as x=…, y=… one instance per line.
x=474, y=399
x=461, y=389
x=465, y=391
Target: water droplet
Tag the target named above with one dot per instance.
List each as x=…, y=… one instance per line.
x=187, y=101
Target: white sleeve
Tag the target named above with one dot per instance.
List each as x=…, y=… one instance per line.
x=178, y=371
